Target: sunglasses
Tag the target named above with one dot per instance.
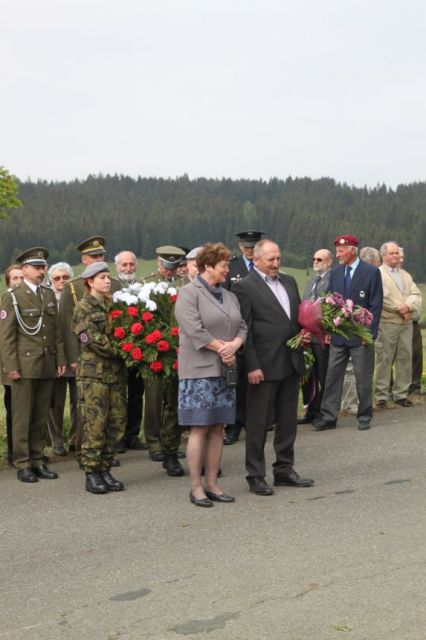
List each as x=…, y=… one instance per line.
x=317, y=259
x=57, y=278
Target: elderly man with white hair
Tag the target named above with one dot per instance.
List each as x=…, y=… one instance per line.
x=401, y=300
x=126, y=266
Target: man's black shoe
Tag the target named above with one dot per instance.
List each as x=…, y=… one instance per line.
x=172, y=465
x=156, y=456
x=180, y=454
x=259, y=486
x=120, y=448
x=404, y=402
x=41, y=471
x=319, y=424
x=305, y=420
x=115, y=462
x=292, y=479
x=112, y=483
x=94, y=483
x=137, y=445
x=363, y=426
x=232, y=435
x=26, y=475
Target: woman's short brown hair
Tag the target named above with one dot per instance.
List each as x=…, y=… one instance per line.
x=211, y=254
x=8, y=271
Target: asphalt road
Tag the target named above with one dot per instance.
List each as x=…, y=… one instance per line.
x=346, y=557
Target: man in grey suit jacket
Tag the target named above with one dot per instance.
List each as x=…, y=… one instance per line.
x=313, y=388
x=269, y=304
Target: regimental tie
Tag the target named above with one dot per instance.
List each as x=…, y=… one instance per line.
x=315, y=287
x=347, y=280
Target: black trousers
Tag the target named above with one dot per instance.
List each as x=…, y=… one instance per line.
x=313, y=389
x=282, y=395
x=135, y=391
x=8, y=407
x=416, y=381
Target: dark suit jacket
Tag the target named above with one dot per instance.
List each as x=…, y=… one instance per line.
x=237, y=271
x=366, y=291
x=269, y=328
x=324, y=285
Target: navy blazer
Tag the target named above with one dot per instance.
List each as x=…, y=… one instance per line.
x=269, y=327
x=365, y=290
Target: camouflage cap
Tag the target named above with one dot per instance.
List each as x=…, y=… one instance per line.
x=94, y=246
x=93, y=269
x=36, y=256
x=170, y=256
x=249, y=238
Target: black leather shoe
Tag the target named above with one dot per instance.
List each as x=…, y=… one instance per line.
x=59, y=451
x=231, y=436
x=172, y=465
x=112, y=483
x=322, y=425
x=41, y=471
x=200, y=502
x=259, y=486
x=219, y=497
x=94, y=483
x=157, y=456
x=120, y=448
x=404, y=402
x=305, y=420
x=180, y=454
x=137, y=445
x=292, y=479
x=115, y=462
x=26, y=475
x=363, y=426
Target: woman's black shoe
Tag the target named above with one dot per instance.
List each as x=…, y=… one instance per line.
x=219, y=497
x=200, y=502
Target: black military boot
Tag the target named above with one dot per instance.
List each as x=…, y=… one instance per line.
x=112, y=483
x=94, y=483
x=172, y=465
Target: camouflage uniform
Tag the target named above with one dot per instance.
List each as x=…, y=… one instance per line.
x=101, y=385
x=161, y=428
x=73, y=292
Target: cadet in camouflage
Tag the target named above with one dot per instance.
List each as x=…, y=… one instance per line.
x=101, y=382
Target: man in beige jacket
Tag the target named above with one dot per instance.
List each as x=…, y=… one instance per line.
x=401, y=299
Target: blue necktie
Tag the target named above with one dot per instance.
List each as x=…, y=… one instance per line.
x=250, y=265
x=347, y=280
x=315, y=290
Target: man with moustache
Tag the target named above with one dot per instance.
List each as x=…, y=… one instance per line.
x=32, y=357
x=269, y=303
x=361, y=282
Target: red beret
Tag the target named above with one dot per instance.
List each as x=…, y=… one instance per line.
x=346, y=241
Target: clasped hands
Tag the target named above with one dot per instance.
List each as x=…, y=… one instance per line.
x=227, y=350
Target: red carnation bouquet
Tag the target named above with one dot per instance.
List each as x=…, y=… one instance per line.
x=145, y=332
x=334, y=315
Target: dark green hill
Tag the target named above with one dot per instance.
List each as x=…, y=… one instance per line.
x=140, y=214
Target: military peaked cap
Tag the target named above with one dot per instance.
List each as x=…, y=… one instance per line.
x=94, y=246
x=170, y=256
x=249, y=238
x=36, y=256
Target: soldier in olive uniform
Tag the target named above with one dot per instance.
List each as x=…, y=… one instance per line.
x=239, y=267
x=32, y=357
x=101, y=382
x=161, y=428
x=91, y=250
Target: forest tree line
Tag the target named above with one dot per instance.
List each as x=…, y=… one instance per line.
x=140, y=214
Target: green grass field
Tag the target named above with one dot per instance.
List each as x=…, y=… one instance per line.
x=145, y=267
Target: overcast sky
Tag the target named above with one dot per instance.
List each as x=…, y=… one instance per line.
x=234, y=88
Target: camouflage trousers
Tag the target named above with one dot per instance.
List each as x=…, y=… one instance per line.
x=161, y=427
x=102, y=414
